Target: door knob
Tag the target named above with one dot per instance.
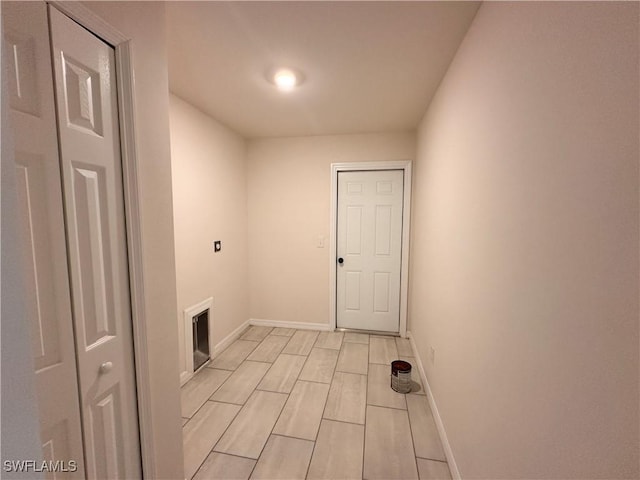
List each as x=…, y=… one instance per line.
x=340, y=260
x=106, y=367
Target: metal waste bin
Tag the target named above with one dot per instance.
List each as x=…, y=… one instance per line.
x=401, y=376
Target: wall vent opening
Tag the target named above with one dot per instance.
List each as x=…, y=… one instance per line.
x=200, y=339
x=198, y=322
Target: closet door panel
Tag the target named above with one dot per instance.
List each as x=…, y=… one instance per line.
x=48, y=302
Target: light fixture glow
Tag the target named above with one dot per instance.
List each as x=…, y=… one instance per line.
x=285, y=79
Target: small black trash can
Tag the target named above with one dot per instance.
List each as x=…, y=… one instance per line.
x=401, y=376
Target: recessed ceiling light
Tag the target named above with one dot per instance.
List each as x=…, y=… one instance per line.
x=286, y=79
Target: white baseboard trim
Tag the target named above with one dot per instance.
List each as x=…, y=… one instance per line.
x=285, y=324
x=455, y=473
x=229, y=339
x=185, y=377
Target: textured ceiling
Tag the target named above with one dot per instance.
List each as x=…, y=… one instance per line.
x=368, y=66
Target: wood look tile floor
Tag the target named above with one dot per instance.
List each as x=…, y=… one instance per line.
x=302, y=404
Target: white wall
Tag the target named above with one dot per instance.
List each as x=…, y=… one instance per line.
x=144, y=23
x=289, y=183
x=525, y=243
x=210, y=203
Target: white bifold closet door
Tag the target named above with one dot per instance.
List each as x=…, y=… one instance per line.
x=86, y=98
x=46, y=288
x=369, y=249
x=71, y=209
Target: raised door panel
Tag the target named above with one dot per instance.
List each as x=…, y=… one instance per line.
x=56, y=446
x=96, y=313
x=354, y=230
x=82, y=96
x=352, y=291
x=104, y=434
x=381, y=289
x=39, y=273
x=383, y=232
x=24, y=93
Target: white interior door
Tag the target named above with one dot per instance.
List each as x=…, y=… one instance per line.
x=43, y=237
x=88, y=126
x=369, y=249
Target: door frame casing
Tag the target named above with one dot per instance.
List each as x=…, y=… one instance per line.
x=405, y=166
x=133, y=222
